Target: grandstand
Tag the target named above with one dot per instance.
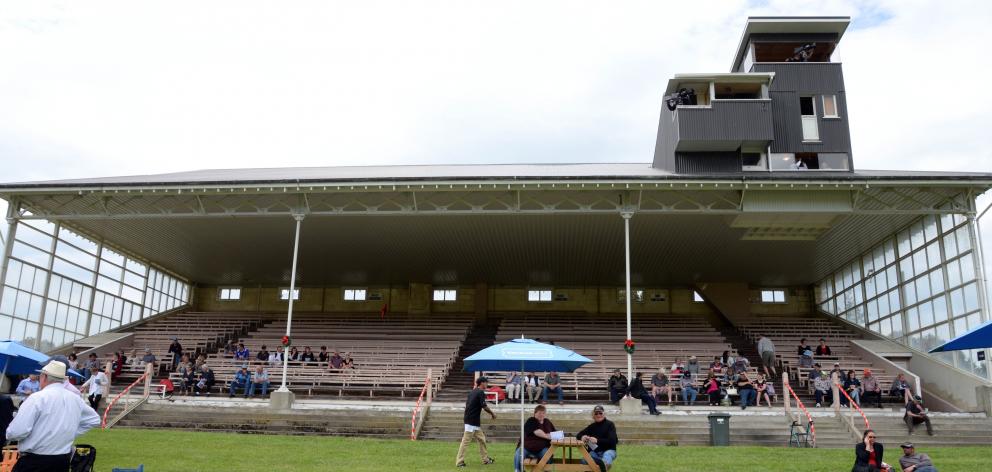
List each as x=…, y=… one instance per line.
x=412, y=268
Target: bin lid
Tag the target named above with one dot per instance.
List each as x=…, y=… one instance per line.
x=719, y=415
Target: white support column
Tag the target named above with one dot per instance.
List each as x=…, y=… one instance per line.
x=628, y=295
x=979, y=257
x=8, y=247
x=283, y=398
x=48, y=284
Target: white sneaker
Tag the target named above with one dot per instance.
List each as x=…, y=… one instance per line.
x=817, y=405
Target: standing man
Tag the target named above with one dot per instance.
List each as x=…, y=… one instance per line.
x=98, y=381
x=473, y=421
x=767, y=350
x=600, y=438
x=176, y=350
x=48, y=422
x=28, y=386
x=911, y=461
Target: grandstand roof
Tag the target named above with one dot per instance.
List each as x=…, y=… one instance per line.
x=529, y=224
x=469, y=172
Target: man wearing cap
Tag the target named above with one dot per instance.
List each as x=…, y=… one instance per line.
x=912, y=461
x=600, y=438
x=48, y=422
x=915, y=415
x=473, y=421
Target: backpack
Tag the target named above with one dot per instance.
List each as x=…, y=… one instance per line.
x=83, y=458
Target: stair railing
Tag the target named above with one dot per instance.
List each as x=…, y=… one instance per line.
x=126, y=401
x=793, y=415
x=423, y=406
x=852, y=407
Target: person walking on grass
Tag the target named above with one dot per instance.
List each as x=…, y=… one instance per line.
x=473, y=421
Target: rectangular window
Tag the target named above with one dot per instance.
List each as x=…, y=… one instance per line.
x=230, y=293
x=638, y=295
x=773, y=296
x=807, y=109
x=696, y=297
x=753, y=161
x=541, y=295
x=284, y=294
x=445, y=295
x=354, y=294
x=830, y=106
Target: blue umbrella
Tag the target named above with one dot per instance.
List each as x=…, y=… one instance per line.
x=525, y=355
x=978, y=338
x=18, y=359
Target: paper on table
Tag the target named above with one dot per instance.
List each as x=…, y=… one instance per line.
x=557, y=435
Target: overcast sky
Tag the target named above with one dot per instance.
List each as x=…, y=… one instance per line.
x=112, y=88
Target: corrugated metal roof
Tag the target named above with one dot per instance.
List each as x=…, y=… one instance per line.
x=502, y=172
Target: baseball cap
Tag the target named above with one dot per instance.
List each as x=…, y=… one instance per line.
x=598, y=409
x=907, y=445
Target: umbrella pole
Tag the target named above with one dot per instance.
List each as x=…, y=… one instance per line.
x=521, y=393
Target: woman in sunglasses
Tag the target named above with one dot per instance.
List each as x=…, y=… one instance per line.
x=868, y=455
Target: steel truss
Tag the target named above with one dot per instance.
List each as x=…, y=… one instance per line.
x=470, y=198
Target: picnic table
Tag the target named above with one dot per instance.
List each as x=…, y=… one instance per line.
x=568, y=461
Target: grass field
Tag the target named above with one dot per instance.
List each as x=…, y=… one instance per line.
x=163, y=450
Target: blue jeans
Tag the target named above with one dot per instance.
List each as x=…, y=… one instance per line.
x=926, y=468
x=235, y=386
x=517, y=466
x=689, y=392
x=606, y=456
x=747, y=396
x=544, y=395
x=265, y=388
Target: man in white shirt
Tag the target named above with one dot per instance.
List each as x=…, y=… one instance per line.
x=97, y=384
x=48, y=422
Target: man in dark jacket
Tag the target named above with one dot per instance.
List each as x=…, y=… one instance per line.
x=617, y=385
x=637, y=390
x=600, y=438
x=6, y=414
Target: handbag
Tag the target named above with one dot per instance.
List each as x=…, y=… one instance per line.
x=731, y=391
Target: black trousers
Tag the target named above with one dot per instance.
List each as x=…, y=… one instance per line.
x=95, y=401
x=42, y=463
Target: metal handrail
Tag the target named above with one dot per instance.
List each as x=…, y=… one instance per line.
x=126, y=394
x=416, y=420
x=852, y=405
x=812, y=429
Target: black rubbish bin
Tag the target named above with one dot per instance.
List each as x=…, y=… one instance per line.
x=719, y=429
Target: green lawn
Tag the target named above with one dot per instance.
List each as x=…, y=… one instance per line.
x=162, y=450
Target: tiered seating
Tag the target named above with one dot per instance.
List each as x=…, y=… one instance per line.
x=391, y=355
x=786, y=331
x=660, y=339
x=197, y=332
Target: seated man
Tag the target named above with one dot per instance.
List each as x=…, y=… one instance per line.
x=552, y=383
x=915, y=415
x=259, y=380
x=870, y=389
x=241, y=379
x=307, y=356
x=263, y=354
x=206, y=381
x=242, y=354
x=823, y=349
x=323, y=356
x=28, y=386
x=821, y=387
x=912, y=461
x=336, y=361
x=617, y=386
x=149, y=358
x=637, y=390
x=688, y=386
x=660, y=384
x=600, y=438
